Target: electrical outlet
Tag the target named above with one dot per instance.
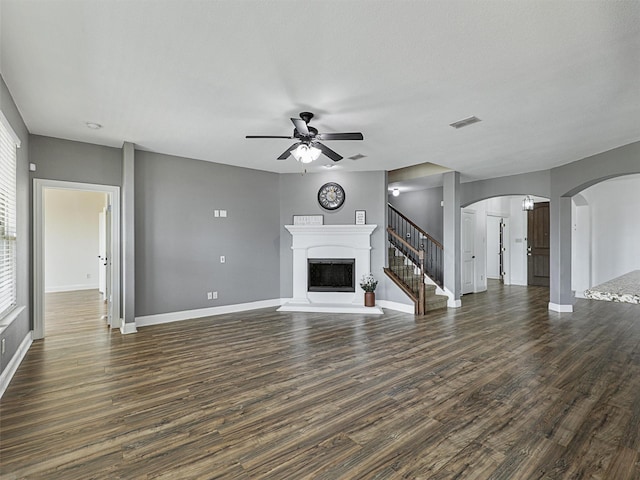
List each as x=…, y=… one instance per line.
x=222, y=259
x=223, y=213
x=210, y=295
x=215, y=295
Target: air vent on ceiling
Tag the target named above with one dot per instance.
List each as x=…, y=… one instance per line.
x=465, y=121
x=357, y=156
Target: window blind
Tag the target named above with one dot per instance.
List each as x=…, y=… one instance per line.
x=8, y=147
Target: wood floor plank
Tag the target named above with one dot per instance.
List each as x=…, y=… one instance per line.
x=498, y=389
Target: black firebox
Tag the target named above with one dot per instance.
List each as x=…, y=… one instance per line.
x=331, y=275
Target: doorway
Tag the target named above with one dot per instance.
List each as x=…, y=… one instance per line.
x=538, y=245
x=467, y=243
x=110, y=256
x=498, y=253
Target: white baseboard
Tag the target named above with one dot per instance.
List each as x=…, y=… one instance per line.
x=400, y=307
x=127, y=328
x=146, y=320
x=71, y=288
x=16, y=360
x=555, y=307
x=451, y=303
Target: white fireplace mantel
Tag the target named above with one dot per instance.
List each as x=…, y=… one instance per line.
x=329, y=241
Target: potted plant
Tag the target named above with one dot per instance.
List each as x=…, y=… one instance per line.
x=369, y=284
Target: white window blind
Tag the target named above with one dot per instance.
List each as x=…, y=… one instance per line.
x=8, y=145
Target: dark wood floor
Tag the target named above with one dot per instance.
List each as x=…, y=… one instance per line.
x=501, y=389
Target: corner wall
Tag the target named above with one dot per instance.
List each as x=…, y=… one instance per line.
x=18, y=329
x=363, y=191
x=179, y=241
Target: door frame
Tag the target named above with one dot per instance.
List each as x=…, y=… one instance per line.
x=113, y=192
x=463, y=228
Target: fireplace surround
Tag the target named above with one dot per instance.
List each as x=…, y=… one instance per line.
x=336, y=242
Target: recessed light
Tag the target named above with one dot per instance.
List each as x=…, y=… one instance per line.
x=93, y=125
x=328, y=166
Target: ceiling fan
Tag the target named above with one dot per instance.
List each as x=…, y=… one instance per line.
x=309, y=147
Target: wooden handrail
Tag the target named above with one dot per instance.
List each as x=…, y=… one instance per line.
x=422, y=232
x=403, y=241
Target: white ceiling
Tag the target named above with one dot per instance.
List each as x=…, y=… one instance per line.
x=552, y=81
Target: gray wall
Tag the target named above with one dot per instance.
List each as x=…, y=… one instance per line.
x=16, y=332
x=574, y=177
x=532, y=183
x=179, y=241
x=423, y=208
x=299, y=196
x=567, y=181
x=70, y=161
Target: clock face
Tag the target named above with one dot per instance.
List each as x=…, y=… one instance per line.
x=331, y=196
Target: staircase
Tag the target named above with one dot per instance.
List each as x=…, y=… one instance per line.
x=414, y=254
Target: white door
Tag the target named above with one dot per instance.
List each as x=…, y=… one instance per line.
x=108, y=263
x=102, y=245
x=506, y=251
x=467, y=243
x=494, y=224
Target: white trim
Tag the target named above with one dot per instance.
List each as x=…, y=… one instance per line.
x=451, y=302
x=157, y=319
x=397, y=306
x=127, y=328
x=38, y=245
x=70, y=288
x=10, y=317
x=454, y=303
x=14, y=363
x=12, y=133
x=555, y=307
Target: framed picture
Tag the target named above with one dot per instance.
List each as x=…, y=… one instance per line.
x=361, y=217
x=308, y=219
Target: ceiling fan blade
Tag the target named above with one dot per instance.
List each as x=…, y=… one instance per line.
x=268, y=136
x=301, y=126
x=336, y=157
x=341, y=136
x=287, y=152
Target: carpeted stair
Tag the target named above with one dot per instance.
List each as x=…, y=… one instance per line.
x=409, y=281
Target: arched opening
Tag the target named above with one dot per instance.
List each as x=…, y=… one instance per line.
x=605, y=233
x=496, y=251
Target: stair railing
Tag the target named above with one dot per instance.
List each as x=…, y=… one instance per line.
x=419, y=241
x=413, y=282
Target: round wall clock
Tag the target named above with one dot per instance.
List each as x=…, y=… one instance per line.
x=331, y=196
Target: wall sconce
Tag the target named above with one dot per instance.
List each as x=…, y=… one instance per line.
x=527, y=203
x=396, y=192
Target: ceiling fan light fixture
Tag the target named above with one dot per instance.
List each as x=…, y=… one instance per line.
x=306, y=153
